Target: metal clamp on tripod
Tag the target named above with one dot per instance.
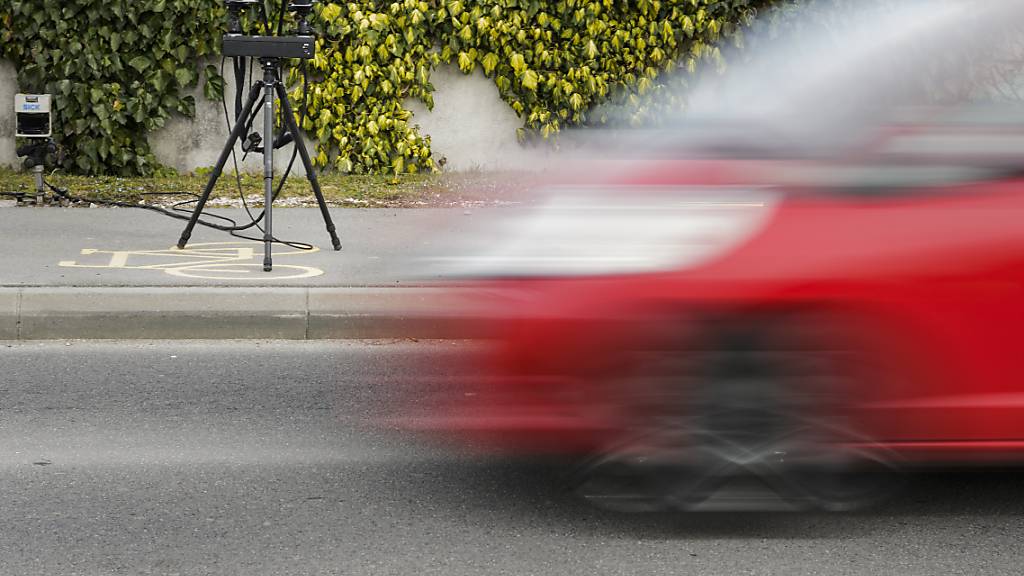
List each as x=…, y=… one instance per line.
x=269, y=50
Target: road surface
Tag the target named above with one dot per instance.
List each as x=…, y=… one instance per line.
x=253, y=458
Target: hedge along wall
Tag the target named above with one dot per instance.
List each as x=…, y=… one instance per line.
x=119, y=68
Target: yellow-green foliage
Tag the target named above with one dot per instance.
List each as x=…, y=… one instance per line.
x=553, y=61
x=118, y=69
x=371, y=60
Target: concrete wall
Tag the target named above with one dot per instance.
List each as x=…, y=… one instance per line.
x=190, y=143
x=470, y=127
x=8, y=88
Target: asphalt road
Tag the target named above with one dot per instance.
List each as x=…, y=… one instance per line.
x=382, y=247
x=253, y=458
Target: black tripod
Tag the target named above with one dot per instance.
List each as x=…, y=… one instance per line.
x=272, y=89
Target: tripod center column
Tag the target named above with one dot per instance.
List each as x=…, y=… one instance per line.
x=270, y=80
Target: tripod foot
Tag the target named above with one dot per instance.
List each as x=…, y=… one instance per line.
x=182, y=242
x=267, y=265
x=334, y=236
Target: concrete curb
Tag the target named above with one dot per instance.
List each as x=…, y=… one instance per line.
x=52, y=313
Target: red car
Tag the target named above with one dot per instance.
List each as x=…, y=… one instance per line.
x=812, y=317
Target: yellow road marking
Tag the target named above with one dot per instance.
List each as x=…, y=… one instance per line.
x=209, y=260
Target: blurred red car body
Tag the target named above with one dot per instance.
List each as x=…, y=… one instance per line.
x=893, y=323
x=927, y=287
x=821, y=281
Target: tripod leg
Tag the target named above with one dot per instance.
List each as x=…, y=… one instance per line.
x=289, y=119
x=236, y=133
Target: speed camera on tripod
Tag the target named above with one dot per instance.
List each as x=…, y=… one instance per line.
x=32, y=115
x=270, y=51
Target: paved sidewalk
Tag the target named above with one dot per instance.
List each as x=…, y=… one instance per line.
x=114, y=273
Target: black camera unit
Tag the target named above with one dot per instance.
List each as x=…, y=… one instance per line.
x=269, y=50
x=301, y=45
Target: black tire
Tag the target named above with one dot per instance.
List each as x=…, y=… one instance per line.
x=766, y=402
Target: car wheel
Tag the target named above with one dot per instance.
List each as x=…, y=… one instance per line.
x=760, y=418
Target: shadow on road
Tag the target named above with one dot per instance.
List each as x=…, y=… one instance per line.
x=534, y=494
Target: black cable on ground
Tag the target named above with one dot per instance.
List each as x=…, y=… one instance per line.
x=178, y=212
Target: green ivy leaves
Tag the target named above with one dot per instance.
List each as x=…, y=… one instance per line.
x=117, y=70
x=372, y=56
x=120, y=69
x=554, y=62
